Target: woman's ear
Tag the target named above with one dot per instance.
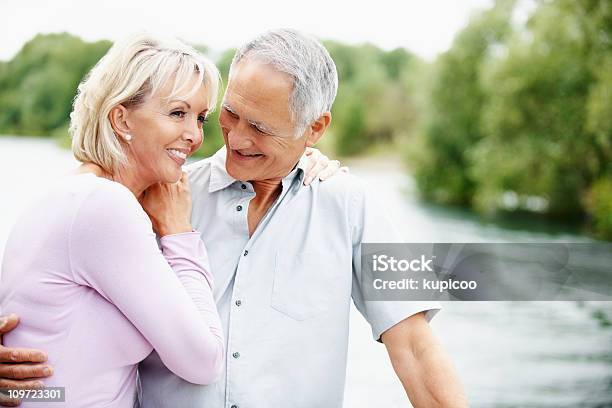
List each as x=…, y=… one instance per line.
x=318, y=128
x=118, y=120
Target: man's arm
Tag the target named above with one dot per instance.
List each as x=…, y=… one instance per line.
x=422, y=365
x=19, y=367
x=419, y=361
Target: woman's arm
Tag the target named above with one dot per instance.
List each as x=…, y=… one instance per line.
x=167, y=295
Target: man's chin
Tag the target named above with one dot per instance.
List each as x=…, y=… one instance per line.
x=237, y=172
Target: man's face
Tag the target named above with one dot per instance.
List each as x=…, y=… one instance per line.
x=256, y=123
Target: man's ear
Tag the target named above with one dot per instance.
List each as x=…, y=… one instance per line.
x=118, y=120
x=318, y=128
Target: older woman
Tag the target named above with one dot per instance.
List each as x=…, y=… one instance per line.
x=111, y=295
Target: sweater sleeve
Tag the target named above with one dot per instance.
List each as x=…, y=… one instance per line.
x=167, y=294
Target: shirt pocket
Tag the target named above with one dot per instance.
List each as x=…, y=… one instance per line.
x=304, y=285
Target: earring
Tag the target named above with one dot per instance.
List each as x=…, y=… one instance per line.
x=128, y=137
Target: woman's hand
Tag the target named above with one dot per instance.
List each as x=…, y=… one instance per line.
x=169, y=206
x=320, y=165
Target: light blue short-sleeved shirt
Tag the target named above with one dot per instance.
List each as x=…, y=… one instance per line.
x=284, y=294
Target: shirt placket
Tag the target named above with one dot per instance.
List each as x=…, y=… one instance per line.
x=240, y=298
x=234, y=342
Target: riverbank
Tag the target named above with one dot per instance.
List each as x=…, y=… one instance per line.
x=387, y=167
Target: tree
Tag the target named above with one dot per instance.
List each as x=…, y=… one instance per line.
x=40, y=82
x=374, y=104
x=451, y=123
x=537, y=143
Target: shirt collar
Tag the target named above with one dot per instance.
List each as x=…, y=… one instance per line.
x=220, y=179
x=298, y=173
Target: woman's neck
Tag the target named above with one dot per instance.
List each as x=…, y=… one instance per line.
x=125, y=177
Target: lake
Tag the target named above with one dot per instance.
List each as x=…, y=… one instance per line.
x=508, y=354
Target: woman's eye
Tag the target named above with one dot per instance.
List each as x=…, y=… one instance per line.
x=202, y=120
x=178, y=114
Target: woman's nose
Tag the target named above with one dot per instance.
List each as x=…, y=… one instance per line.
x=193, y=134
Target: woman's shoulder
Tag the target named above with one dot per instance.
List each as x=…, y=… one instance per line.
x=70, y=192
x=87, y=197
x=106, y=204
x=82, y=202
x=79, y=188
x=101, y=185
x=107, y=195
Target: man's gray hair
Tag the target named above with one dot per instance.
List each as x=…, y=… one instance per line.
x=315, y=80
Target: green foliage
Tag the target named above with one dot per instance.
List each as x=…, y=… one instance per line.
x=224, y=62
x=599, y=202
x=213, y=138
x=375, y=103
x=351, y=137
x=39, y=83
x=454, y=108
x=523, y=111
x=535, y=118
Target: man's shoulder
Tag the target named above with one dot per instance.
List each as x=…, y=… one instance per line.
x=358, y=200
x=345, y=190
x=199, y=173
x=198, y=166
x=342, y=185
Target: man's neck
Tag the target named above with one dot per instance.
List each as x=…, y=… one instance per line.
x=266, y=192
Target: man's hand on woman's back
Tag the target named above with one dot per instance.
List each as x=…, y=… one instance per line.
x=19, y=367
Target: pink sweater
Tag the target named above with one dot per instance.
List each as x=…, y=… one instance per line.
x=84, y=272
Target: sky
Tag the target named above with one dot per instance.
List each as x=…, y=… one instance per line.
x=426, y=27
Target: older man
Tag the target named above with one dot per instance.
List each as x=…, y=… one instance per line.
x=287, y=257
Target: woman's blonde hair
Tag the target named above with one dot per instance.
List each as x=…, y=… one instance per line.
x=130, y=72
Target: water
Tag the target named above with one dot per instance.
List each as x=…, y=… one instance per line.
x=508, y=354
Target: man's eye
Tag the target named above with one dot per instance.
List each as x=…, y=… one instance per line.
x=258, y=130
x=178, y=114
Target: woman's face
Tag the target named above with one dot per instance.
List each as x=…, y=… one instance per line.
x=164, y=133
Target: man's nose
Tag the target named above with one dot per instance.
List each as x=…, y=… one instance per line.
x=237, y=139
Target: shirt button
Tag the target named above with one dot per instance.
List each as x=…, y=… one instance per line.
x=246, y=252
x=239, y=208
x=234, y=406
x=238, y=302
x=243, y=187
x=236, y=354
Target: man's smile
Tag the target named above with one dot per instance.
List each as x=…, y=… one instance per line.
x=245, y=155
